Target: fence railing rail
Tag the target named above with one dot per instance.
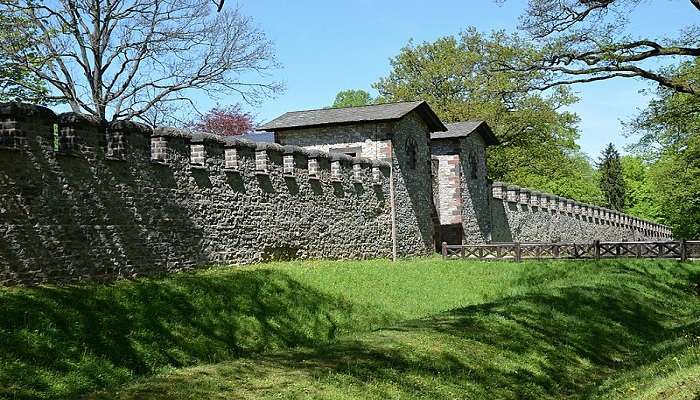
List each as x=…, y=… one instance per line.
x=681, y=250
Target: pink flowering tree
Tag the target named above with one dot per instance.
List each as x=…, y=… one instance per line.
x=225, y=121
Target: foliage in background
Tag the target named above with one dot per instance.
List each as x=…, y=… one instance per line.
x=610, y=178
x=639, y=194
x=352, y=98
x=16, y=82
x=462, y=78
x=574, y=177
x=669, y=120
x=675, y=180
x=225, y=121
x=668, y=138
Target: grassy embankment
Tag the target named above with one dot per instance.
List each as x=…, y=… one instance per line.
x=417, y=328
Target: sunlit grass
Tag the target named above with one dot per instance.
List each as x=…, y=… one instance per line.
x=374, y=329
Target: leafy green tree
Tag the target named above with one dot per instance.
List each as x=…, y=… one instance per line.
x=352, y=98
x=639, y=197
x=668, y=138
x=612, y=183
x=17, y=83
x=574, y=177
x=462, y=78
x=669, y=120
x=675, y=181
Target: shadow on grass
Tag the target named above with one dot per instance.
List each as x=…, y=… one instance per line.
x=557, y=341
x=566, y=329
x=59, y=342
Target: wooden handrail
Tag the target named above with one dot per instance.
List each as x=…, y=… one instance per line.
x=682, y=250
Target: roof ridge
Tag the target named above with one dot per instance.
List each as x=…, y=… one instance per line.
x=355, y=114
x=348, y=107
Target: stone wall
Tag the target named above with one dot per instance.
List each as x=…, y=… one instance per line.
x=522, y=215
x=388, y=141
x=371, y=140
x=476, y=191
x=80, y=201
x=416, y=216
x=463, y=189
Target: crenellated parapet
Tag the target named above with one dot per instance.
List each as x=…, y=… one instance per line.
x=527, y=199
x=72, y=134
x=82, y=199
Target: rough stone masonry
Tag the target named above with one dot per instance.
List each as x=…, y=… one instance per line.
x=465, y=206
x=78, y=205
x=82, y=200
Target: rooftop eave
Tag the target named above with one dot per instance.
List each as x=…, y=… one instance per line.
x=422, y=108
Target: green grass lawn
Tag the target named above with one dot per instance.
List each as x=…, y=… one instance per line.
x=413, y=329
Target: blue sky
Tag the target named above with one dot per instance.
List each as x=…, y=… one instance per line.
x=328, y=46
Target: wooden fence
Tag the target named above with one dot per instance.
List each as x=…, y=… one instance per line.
x=682, y=250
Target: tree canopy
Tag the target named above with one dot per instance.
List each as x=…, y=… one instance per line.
x=667, y=135
x=225, y=121
x=460, y=77
x=16, y=82
x=352, y=98
x=611, y=179
x=639, y=193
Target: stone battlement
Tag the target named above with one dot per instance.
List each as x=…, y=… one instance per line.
x=81, y=200
x=530, y=199
x=72, y=134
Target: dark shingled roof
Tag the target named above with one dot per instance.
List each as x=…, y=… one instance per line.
x=466, y=128
x=349, y=115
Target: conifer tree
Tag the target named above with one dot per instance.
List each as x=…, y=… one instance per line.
x=611, y=179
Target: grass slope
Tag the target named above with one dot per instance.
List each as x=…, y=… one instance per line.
x=418, y=328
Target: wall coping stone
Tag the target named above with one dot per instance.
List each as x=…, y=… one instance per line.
x=204, y=137
x=291, y=149
x=238, y=142
x=129, y=127
x=340, y=157
x=173, y=133
x=265, y=146
x=24, y=111
x=381, y=164
x=317, y=154
x=72, y=118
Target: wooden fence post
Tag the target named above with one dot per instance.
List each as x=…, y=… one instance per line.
x=444, y=250
x=518, y=253
x=596, y=249
x=684, y=250
x=639, y=250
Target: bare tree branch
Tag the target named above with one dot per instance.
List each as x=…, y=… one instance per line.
x=584, y=41
x=117, y=59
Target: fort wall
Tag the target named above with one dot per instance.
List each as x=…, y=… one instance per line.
x=522, y=215
x=82, y=201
